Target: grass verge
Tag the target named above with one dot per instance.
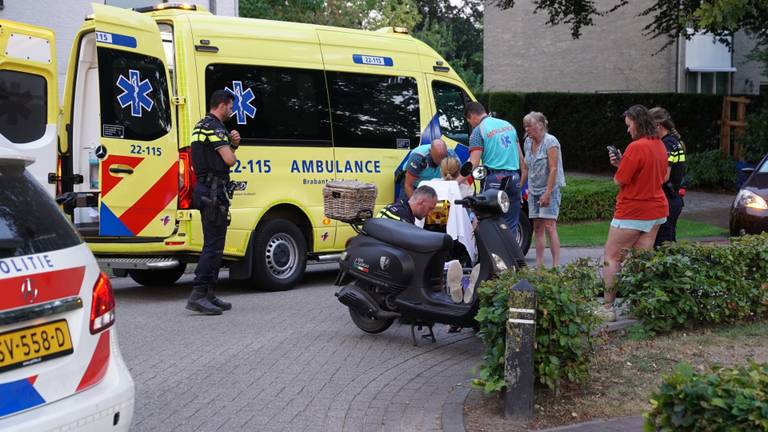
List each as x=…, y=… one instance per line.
x=594, y=233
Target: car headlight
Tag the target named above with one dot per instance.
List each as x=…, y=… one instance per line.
x=498, y=263
x=503, y=200
x=747, y=198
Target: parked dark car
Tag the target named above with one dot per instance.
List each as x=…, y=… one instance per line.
x=749, y=211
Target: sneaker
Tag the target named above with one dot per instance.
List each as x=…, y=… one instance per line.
x=454, y=280
x=605, y=314
x=470, y=291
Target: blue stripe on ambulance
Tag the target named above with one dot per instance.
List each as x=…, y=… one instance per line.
x=18, y=396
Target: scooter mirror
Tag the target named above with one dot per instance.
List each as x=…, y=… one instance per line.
x=480, y=172
x=466, y=169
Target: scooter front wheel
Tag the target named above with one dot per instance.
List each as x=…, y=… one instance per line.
x=370, y=324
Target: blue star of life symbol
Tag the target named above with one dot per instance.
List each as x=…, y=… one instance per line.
x=135, y=93
x=242, y=106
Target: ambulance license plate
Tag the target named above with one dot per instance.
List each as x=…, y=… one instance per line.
x=31, y=345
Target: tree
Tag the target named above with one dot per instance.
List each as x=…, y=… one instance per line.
x=454, y=31
x=362, y=14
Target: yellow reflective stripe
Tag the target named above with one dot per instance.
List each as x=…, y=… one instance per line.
x=676, y=157
x=214, y=138
x=384, y=213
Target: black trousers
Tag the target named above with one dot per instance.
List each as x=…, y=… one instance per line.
x=214, y=234
x=668, y=230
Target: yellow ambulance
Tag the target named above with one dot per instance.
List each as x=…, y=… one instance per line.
x=312, y=104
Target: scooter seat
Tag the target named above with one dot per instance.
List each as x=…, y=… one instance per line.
x=407, y=236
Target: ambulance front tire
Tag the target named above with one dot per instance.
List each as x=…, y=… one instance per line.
x=157, y=277
x=280, y=255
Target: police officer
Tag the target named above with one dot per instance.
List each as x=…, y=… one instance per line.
x=418, y=206
x=495, y=141
x=424, y=164
x=665, y=129
x=213, y=152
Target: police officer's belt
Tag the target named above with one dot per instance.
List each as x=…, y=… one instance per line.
x=209, y=179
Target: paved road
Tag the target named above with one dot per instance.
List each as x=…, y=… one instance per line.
x=288, y=361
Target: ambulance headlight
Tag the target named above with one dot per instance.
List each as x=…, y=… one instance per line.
x=503, y=200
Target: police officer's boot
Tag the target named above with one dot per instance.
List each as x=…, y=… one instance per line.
x=199, y=302
x=219, y=303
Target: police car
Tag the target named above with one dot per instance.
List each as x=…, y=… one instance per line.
x=60, y=366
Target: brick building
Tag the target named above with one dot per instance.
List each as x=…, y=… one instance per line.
x=522, y=53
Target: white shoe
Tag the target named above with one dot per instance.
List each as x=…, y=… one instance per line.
x=470, y=291
x=453, y=280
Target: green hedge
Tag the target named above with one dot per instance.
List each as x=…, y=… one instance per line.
x=709, y=170
x=682, y=284
x=587, y=200
x=587, y=122
x=564, y=319
x=726, y=399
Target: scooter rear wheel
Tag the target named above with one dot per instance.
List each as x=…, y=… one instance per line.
x=369, y=324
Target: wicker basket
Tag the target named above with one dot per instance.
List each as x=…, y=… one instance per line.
x=347, y=200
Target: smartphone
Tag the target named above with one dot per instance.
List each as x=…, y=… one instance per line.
x=615, y=152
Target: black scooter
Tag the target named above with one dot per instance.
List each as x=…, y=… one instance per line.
x=394, y=270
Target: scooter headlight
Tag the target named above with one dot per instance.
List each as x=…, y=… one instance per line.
x=498, y=262
x=503, y=200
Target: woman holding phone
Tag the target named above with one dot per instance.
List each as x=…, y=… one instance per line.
x=641, y=206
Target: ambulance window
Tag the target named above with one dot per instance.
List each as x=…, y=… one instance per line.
x=134, y=96
x=274, y=106
x=374, y=111
x=450, y=100
x=30, y=222
x=23, y=106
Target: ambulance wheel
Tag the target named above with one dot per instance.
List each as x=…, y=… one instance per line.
x=157, y=277
x=280, y=255
x=523, y=233
x=369, y=325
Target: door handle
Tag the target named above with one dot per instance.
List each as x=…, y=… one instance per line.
x=120, y=169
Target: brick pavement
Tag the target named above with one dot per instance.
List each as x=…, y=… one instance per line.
x=288, y=361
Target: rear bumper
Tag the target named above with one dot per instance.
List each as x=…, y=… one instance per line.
x=92, y=410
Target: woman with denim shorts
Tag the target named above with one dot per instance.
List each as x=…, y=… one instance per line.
x=545, y=178
x=641, y=206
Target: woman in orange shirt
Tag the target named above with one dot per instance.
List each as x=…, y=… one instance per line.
x=641, y=206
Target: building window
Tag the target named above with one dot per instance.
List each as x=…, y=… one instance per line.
x=708, y=82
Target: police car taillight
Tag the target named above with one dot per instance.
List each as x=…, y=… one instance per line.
x=103, y=305
x=186, y=178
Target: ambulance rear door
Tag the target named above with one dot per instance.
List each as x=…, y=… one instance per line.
x=137, y=147
x=28, y=96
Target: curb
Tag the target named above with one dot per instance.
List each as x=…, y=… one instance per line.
x=452, y=418
x=620, y=424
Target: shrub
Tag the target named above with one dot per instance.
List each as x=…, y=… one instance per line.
x=587, y=200
x=710, y=170
x=681, y=284
x=726, y=399
x=564, y=320
x=585, y=123
x=755, y=139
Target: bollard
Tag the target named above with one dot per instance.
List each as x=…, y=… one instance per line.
x=519, y=371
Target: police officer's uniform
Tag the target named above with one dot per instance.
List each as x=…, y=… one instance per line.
x=211, y=199
x=677, y=166
x=399, y=211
